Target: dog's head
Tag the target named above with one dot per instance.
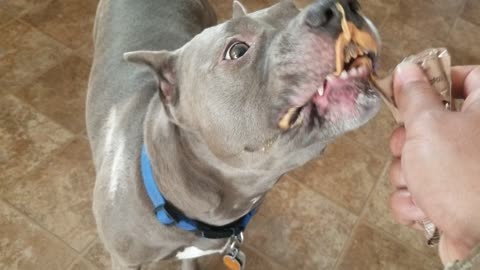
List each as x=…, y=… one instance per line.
x=259, y=91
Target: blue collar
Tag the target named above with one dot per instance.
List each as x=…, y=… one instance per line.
x=168, y=215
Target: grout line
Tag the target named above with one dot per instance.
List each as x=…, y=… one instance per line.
x=47, y=158
x=391, y=238
x=265, y=257
x=370, y=195
x=36, y=77
x=22, y=21
x=77, y=259
x=369, y=151
x=349, y=240
x=49, y=35
x=83, y=260
x=36, y=111
x=89, y=246
x=28, y=85
x=47, y=232
x=320, y=194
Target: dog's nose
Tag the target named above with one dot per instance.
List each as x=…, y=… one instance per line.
x=325, y=16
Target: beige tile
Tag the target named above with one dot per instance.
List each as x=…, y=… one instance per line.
x=303, y=3
x=378, y=214
x=16, y=7
x=68, y=21
x=59, y=195
x=82, y=265
x=60, y=93
x=464, y=40
x=164, y=265
x=98, y=256
x=378, y=11
x=433, y=18
x=26, y=138
x=345, y=174
x=223, y=9
x=376, y=133
x=299, y=228
x=25, y=54
x=25, y=246
x=255, y=261
x=471, y=12
x=389, y=59
x=86, y=52
x=254, y=5
x=4, y=17
x=372, y=250
x=404, y=40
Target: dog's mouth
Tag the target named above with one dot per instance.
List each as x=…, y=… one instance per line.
x=356, y=56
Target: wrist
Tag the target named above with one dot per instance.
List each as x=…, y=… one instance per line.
x=472, y=262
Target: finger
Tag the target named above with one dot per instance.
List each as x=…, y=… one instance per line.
x=451, y=251
x=403, y=209
x=395, y=175
x=413, y=93
x=465, y=80
x=397, y=141
x=419, y=227
x=472, y=102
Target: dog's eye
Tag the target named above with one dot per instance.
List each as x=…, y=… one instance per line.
x=236, y=50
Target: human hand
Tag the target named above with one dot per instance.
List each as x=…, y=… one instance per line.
x=436, y=170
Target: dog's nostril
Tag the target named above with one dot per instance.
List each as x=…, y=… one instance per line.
x=320, y=16
x=329, y=14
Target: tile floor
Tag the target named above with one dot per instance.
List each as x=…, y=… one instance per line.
x=330, y=214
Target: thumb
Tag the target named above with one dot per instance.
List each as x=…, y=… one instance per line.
x=413, y=92
x=451, y=251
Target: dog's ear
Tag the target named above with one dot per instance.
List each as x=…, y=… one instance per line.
x=163, y=65
x=239, y=9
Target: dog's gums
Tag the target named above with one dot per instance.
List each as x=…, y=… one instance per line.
x=356, y=51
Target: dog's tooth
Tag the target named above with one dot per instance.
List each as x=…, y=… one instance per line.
x=344, y=75
x=363, y=70
x=330, y=78
x=353, y=72
x=321, y=91
x=354, y=54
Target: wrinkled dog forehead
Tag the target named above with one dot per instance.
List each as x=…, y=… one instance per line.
x=213, y=39
x=205, y=52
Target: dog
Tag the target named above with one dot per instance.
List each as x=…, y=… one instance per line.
x=213, y=115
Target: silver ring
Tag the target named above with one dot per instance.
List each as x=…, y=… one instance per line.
x=431, y=232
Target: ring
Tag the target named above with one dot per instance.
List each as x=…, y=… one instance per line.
x=431, y=232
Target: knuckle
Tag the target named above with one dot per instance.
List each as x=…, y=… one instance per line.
x=416, y=86
x=428, y=121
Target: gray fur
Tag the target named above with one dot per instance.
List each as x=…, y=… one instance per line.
x=198, y=116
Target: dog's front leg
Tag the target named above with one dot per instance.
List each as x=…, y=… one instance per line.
x=190, y=264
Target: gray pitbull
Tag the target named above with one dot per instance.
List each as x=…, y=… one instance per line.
x=222, y=111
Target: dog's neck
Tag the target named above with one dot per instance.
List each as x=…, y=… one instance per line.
x=190, y=182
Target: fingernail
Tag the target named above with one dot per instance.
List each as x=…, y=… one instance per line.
x=409, y=72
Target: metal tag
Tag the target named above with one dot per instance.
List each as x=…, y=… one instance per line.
x=234, y=260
